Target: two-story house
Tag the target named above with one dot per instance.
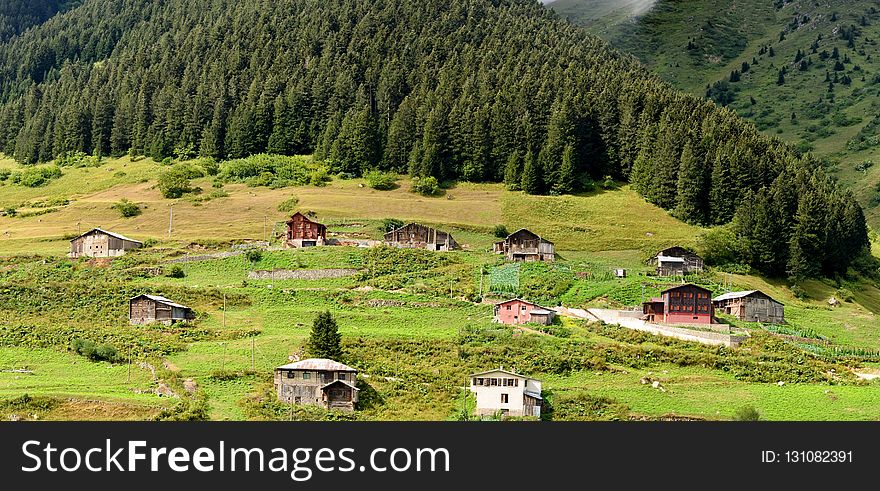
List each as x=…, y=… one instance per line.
x=506, y=393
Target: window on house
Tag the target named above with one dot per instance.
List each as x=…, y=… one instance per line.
x=291, y=374
x=342, y=376
x=493, y=381
x=508, y=307
x=504, y=398
x=307, y=375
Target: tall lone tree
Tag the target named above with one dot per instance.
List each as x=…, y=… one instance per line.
x=324, y=341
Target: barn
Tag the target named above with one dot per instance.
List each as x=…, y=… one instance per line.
x=683, y=304
x=317, y=382
x=303, y=232
x=101, y=243
x=676, y=261
x=149, y=309
x=524, y=245
x=751, y=306
x=518, y=311
x=416, y=236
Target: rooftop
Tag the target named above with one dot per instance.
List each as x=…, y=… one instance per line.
x=317, y=364
x=157, y=298
x=112, y=234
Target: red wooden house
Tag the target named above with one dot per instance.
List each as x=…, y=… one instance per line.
x=684, y=304
x=518, y=311
x=302, y=232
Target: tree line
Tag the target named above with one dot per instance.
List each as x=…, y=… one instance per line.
x=477, y=90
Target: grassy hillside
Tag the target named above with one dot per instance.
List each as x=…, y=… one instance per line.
x=696, y=44
x=411, y=321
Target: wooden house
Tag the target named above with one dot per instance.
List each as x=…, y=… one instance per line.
x=676, y=261
x=524, y=245
x=147, y=309
x=317, y=382
x=416, y=236
x=506, y=393
x=750, y=306
x=101, y=243
x=518, y=311
x=303, y=232
x=683, y=304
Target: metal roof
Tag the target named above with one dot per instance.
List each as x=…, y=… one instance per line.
x=542, y=239
x=670, y=259
x=112, y=234
x=742, y=294
x=532, y=394
x=317, y=364
x=157, y=298
x=684, y=285
x=542, y=311
x=503, y=371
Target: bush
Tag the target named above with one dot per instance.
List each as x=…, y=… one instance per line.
x=382, y=181
x=274, y=171
x=288, y=205
x=426, y=186
x=4, y=174
x=319, y=177
x=844, y=295
x=34, y=177
x=747, y=413
x=176, y=272
x=126, y=208
x=391, y=224
x=719, y=246
x=95, y=352
x=253, y=255
x=174, y=183
x=799, y=292
x=501, y=232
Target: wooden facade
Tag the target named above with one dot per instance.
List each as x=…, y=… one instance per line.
x=751, y=306
x=303, y=232
x=524, y=245
x=101, y=243
x=676, y=261
x=416, y=236
x=317, y=382
x=149, y=309
x=685, y=304
x=518, y=311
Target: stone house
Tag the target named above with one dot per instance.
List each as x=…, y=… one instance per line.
x=101, y=243
x=148, y=309
x=317, y=382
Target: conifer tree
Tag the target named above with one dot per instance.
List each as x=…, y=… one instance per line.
x=325, y=340
x=531, y=176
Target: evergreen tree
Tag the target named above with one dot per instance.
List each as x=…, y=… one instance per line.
x=531, y=176
x=325, y=340
x=513, y=172
x=690, y=204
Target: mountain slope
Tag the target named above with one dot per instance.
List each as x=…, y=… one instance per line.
x=16, y=16
x=696, y=44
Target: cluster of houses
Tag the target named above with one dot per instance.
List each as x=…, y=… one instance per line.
x=332, y=385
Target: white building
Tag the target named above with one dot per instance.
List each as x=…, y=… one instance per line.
x=506, y=393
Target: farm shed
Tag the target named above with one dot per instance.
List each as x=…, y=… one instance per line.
x=684, y=304
x=524, y=245
x=416, y=236
x=303, y=232
x=751, y=306
x=147, y=309
x=676, y=261
x=506, y=393
x=317, y=382
x=518, y=311
x=101, y=243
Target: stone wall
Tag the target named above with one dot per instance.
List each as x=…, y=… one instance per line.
x=302, y=274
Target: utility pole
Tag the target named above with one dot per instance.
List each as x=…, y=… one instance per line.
x=481, y=282
x=224, y=311
x=253, y=354
x=170, y=221
x=129, y=364
x=223, y=363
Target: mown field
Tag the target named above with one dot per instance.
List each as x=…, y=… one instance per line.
x=415, y=323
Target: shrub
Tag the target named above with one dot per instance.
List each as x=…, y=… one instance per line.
x=288, y=205
x=501, y=231
x=719, y=246
x=4, y=174
x=426, y=186
x=210, y=166
x=382, y=181
x=799, y=292
x=844, y=294
x=10, y=212
x=390, y=224
x=126, y=208
x=176, y=272
x=319, y=177
x=95, y=352
x=34, y=177
x=174, y=183
x=253, y=255
x=747, y=413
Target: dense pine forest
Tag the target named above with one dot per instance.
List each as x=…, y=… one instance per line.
x=476, y=90
x=16, y=16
